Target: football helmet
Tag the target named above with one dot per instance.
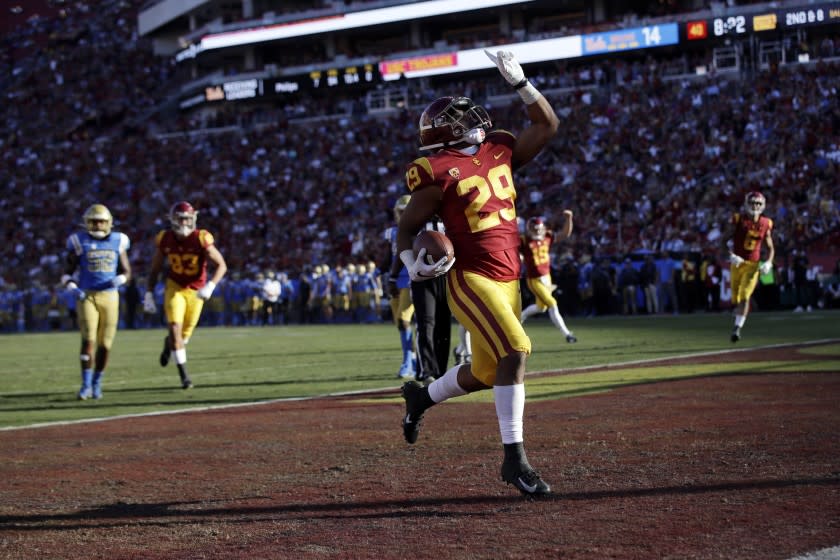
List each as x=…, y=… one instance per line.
x=447, y=121
x=98, y=221
x=535, y=228
x=754, y=203
x=399, y=206
x=183, y=218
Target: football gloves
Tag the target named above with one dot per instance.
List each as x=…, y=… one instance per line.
x=149, y=303
x=765, y=267
x=206, y=291
x=735, y=259
x=419, y=270
x=508, y=66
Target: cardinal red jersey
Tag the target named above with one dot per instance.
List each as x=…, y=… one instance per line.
x=749, y=235
x=187, y=257
x=478, y=208
x=536, y=255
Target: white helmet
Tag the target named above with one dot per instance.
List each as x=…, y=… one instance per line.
x=98, y=221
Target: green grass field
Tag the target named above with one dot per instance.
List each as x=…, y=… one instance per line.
x=39, y=373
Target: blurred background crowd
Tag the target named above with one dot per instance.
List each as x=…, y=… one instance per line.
x=652, y=156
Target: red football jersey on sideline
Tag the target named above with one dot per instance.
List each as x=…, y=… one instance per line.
x=478, y=206
x=187, y=257
x=536, y=255
x=749, y=235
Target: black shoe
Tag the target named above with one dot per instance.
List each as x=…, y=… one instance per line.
x=524, y=478
x=166, y=353
x=186, y=383
x=736, y=334
x=571, y=338
x=413, y=395
x=458, y=357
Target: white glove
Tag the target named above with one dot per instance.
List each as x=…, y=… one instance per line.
x=207, y=291
x=765, y=267
x=735, y=259
x=78, y=292
x=512, y=72
x=118, y=280
x=419, y=270
x=508, y=66
x=149, y=303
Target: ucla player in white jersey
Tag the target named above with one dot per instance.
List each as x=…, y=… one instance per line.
x=101, y=256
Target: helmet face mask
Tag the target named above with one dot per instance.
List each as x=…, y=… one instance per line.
x=183, y=218
x=535, y=228
x=754, y=204
x=98, y=221
x=447, y=121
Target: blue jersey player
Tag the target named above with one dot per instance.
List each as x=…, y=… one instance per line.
x=101, y=257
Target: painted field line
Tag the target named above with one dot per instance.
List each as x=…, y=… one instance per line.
x=616, y=365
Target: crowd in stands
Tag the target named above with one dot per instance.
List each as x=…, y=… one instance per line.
x=647, y=164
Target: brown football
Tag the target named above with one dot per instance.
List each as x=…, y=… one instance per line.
x=437, y=246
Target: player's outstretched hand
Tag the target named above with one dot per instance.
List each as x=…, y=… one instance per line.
x=508, y=66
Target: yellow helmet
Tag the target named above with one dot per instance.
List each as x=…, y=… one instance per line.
x=400, y=205
x=98, y=221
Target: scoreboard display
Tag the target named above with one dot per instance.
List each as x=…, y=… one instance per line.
x=759, y=22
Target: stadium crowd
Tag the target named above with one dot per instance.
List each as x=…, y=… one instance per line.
x=649, y=165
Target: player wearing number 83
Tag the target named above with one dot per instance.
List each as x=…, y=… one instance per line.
x=186, y=251
x=468, y=182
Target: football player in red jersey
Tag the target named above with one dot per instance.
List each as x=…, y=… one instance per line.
x=467, y=180
x=748, y=232
x=186, y=251
x=535, y=248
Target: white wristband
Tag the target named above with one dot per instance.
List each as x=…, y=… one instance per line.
x=529, y=93
x=119, y=280
x=210, y=285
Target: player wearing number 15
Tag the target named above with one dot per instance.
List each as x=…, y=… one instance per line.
x=748, y=232
x=467, y=180
x=185, y=250
x=101, y=256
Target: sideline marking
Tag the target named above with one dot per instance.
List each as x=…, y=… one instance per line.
x=832, y=553
x=618, y=365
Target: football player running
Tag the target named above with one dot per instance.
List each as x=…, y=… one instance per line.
x=535, y=248
x=101, y=256
x=467, y=180
x=747, y=232
x=186, y=251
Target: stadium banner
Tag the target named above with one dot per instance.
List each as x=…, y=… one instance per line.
x=475, y=59
x=630, y=39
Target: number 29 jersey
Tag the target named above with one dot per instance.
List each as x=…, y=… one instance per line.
x=187, y=257
x=478, y=206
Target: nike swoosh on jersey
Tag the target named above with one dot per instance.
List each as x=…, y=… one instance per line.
x=497, y=156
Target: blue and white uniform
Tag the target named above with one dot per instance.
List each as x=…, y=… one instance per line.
x=99, y=259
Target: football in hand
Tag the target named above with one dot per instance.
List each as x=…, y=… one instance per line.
x=437, y=246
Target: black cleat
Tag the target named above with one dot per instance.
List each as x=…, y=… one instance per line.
x=185, y=382
x=736, y=334
x=413, y=395
x=571, y=338
x=525, y=479
x=166, y=353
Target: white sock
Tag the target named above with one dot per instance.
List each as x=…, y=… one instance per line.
x=180, y=356
x=466, y=341
x=446, y=386
x=510, y=407
x=557, y=319
x=528, y=311
x=740, y=320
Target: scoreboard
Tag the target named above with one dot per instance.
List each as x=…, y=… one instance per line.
x=760, y=22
